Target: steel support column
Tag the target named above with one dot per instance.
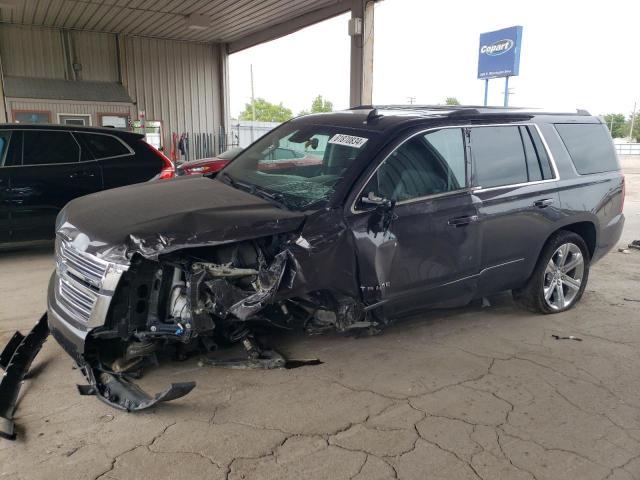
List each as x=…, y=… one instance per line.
x=223, y=86
x=361, y=88
x=3, y=101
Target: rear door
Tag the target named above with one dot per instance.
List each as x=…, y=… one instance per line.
x=5, y=137
x=117, y=160
x=50, y=175
x=514, y=180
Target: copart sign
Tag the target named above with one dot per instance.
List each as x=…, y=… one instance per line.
x=499, y=54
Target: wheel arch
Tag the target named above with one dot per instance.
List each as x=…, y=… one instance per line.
x=587, y=230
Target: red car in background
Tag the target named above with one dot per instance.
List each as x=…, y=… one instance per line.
x=283, y=158
x=208, y=165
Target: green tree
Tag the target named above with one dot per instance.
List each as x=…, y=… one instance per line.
x=452, y=101
x=617, y=124
x=266, y=111
x=636, y=128
x=320, y=105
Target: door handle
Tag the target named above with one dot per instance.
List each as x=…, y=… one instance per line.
x=462, y=221
x=544, y=203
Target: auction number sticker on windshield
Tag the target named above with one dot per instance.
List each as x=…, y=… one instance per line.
x=348, y=140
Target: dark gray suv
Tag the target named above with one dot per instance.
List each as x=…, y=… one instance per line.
x=404, y=209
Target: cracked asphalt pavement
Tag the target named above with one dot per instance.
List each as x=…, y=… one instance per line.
x=473, y=393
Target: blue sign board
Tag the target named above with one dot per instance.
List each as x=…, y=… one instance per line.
x=499, y=53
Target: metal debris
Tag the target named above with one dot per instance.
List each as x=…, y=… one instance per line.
x=257, y=358
x=16, y=360
x=569, y=337
x=118, y=391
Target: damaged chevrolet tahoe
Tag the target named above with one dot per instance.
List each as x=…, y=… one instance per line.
x=403, y=209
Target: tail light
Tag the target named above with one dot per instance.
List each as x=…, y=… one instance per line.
x=203, y=168
x=624, y=191
x=168, y=169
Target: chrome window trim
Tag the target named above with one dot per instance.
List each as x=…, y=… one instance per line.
x=6, y=150
x=72, y=133
x=129, y=149
x=467, y=188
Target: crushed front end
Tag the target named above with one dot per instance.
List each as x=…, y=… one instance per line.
x=115, y=317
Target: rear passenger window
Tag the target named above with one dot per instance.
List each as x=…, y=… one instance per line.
x=538, y=166
x=498, y=156
x=589, y=146
x=5, y=136
x=41, y=147
x=103, y=146
x=427, y=164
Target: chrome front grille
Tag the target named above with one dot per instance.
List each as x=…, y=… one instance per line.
x=82, y=266
x=85, y=285
x=76, y=299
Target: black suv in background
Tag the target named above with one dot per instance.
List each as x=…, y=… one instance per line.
x=42, y=167
x=402, y=209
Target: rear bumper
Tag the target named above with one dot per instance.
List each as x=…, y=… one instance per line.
x=608, y=237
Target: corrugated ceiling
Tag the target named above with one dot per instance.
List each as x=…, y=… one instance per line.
x=229, y=20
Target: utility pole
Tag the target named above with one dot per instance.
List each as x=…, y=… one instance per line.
x=633, y=119
x=253, y=103
x=411, y=100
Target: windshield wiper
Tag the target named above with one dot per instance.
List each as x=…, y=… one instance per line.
x=236, y=184
x=275, y=197
x=229, y=179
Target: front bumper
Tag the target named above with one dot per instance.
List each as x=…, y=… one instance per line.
x=79, y=296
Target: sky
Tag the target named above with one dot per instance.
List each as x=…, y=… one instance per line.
x=575, y=54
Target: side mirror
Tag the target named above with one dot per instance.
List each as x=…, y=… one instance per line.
x=380, y=203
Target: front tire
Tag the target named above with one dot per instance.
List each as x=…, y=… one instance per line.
x=560, y=276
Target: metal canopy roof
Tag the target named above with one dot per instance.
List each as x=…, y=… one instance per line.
x=227, y=21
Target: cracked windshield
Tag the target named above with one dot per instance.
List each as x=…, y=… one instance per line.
x=298, y=168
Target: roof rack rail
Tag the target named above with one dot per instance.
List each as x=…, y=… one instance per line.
x=463, y=111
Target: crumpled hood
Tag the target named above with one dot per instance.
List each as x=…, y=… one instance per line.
x=163, y=216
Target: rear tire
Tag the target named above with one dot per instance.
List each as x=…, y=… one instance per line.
x=560, y=276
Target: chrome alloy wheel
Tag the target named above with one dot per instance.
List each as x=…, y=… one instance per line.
x=563, y=276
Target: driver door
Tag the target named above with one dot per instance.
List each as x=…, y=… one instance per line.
x=425, y=249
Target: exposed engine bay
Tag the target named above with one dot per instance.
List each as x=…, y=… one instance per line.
x=197, y=301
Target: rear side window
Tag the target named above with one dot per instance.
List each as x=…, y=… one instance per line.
x=589, y=146
x=498, y=156
x=49, y=147
x=102, y=146
x=508, y=155
x=538, y=166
